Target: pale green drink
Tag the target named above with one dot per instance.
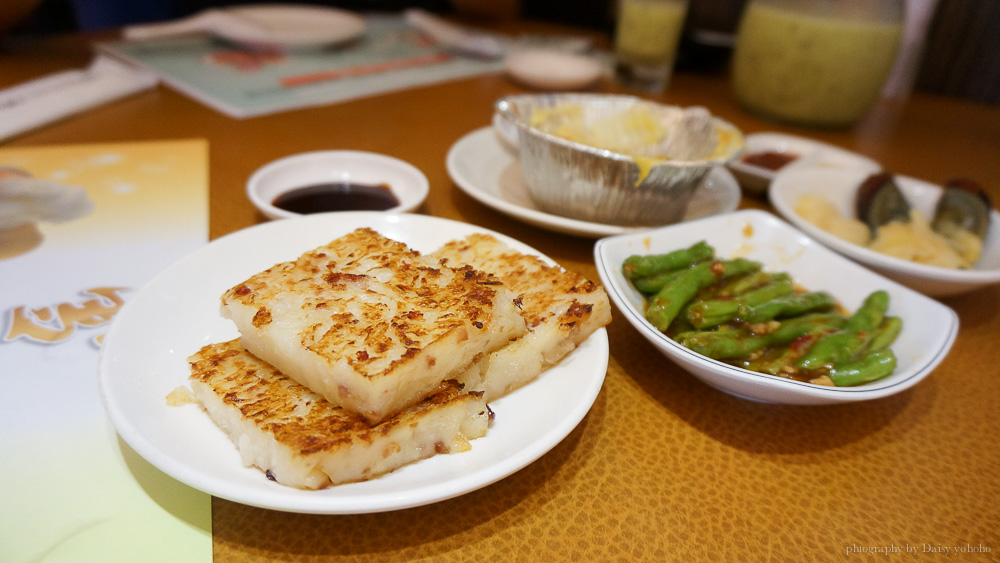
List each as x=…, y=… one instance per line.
x=812, y=69
x=646, y=39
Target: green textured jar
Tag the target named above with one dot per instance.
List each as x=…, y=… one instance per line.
x=819, y=63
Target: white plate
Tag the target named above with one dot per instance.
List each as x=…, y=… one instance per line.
x=840, y=187
x=272, y=26
x=755, y=179
x=304, y=26
x=145, y=352
x=487, y=171
x=929, y=328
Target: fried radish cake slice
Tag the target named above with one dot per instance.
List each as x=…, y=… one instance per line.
x=301, y=440
x=560, y=308
x=370, y=324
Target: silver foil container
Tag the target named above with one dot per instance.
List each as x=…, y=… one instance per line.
x=582, y=182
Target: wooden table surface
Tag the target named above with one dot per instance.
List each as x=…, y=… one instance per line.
x=663, y=467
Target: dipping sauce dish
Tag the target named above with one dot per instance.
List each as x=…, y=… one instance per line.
x=755, y=178
x=323, y=181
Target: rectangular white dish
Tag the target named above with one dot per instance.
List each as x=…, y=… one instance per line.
x=929, y=328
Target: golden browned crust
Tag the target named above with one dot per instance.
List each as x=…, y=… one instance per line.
x=545, y=292
x=370, y=300
x=302, y=420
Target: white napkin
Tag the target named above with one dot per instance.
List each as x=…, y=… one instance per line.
x=32, y=104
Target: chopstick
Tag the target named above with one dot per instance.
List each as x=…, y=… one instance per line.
x=362, y=70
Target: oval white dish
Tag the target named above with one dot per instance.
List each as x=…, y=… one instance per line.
x=929, y=328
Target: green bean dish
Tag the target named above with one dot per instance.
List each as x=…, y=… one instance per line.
x=736, y=312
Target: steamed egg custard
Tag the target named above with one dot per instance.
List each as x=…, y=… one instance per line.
x=647, y=133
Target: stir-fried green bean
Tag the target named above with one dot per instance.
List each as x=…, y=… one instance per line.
x=656, y=282
x=668, y=302
x=790, y=306
x=734, y=311
x=886, y=334
x=736, y=343
x=742, y=284
x=640, y=266
x=703, y=314
x=783, y=361
x=851, y=342
x=871, y=312
x=799, y=326
x=834, y=348
x=870, y=367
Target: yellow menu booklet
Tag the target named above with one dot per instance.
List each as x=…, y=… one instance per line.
x=82, y=227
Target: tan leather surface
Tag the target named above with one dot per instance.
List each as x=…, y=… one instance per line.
x=663, y=467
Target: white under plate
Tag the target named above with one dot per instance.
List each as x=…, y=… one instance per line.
x=144, y=357
x=491, y=173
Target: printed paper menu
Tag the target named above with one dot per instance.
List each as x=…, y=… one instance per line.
x=105, y=219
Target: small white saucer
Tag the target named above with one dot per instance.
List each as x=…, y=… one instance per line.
x=481, y=167
x=549, y=69
x=404, y=180
x=755, y=180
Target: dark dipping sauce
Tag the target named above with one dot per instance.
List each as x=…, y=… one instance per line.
x=772, y=160
x=337, y=197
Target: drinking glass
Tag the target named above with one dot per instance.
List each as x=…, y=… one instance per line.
x=646, y=38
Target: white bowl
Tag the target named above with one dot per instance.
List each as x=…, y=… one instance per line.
x=756, y=179
x=406, y=182
x=840, y=187
x=929, y=328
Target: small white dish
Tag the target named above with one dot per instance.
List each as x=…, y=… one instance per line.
x=144, y=357
x=840, y=187
x=407, y=183
x=929, y=328
x=756, y=179
x=488, y=170
x=550, y=69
